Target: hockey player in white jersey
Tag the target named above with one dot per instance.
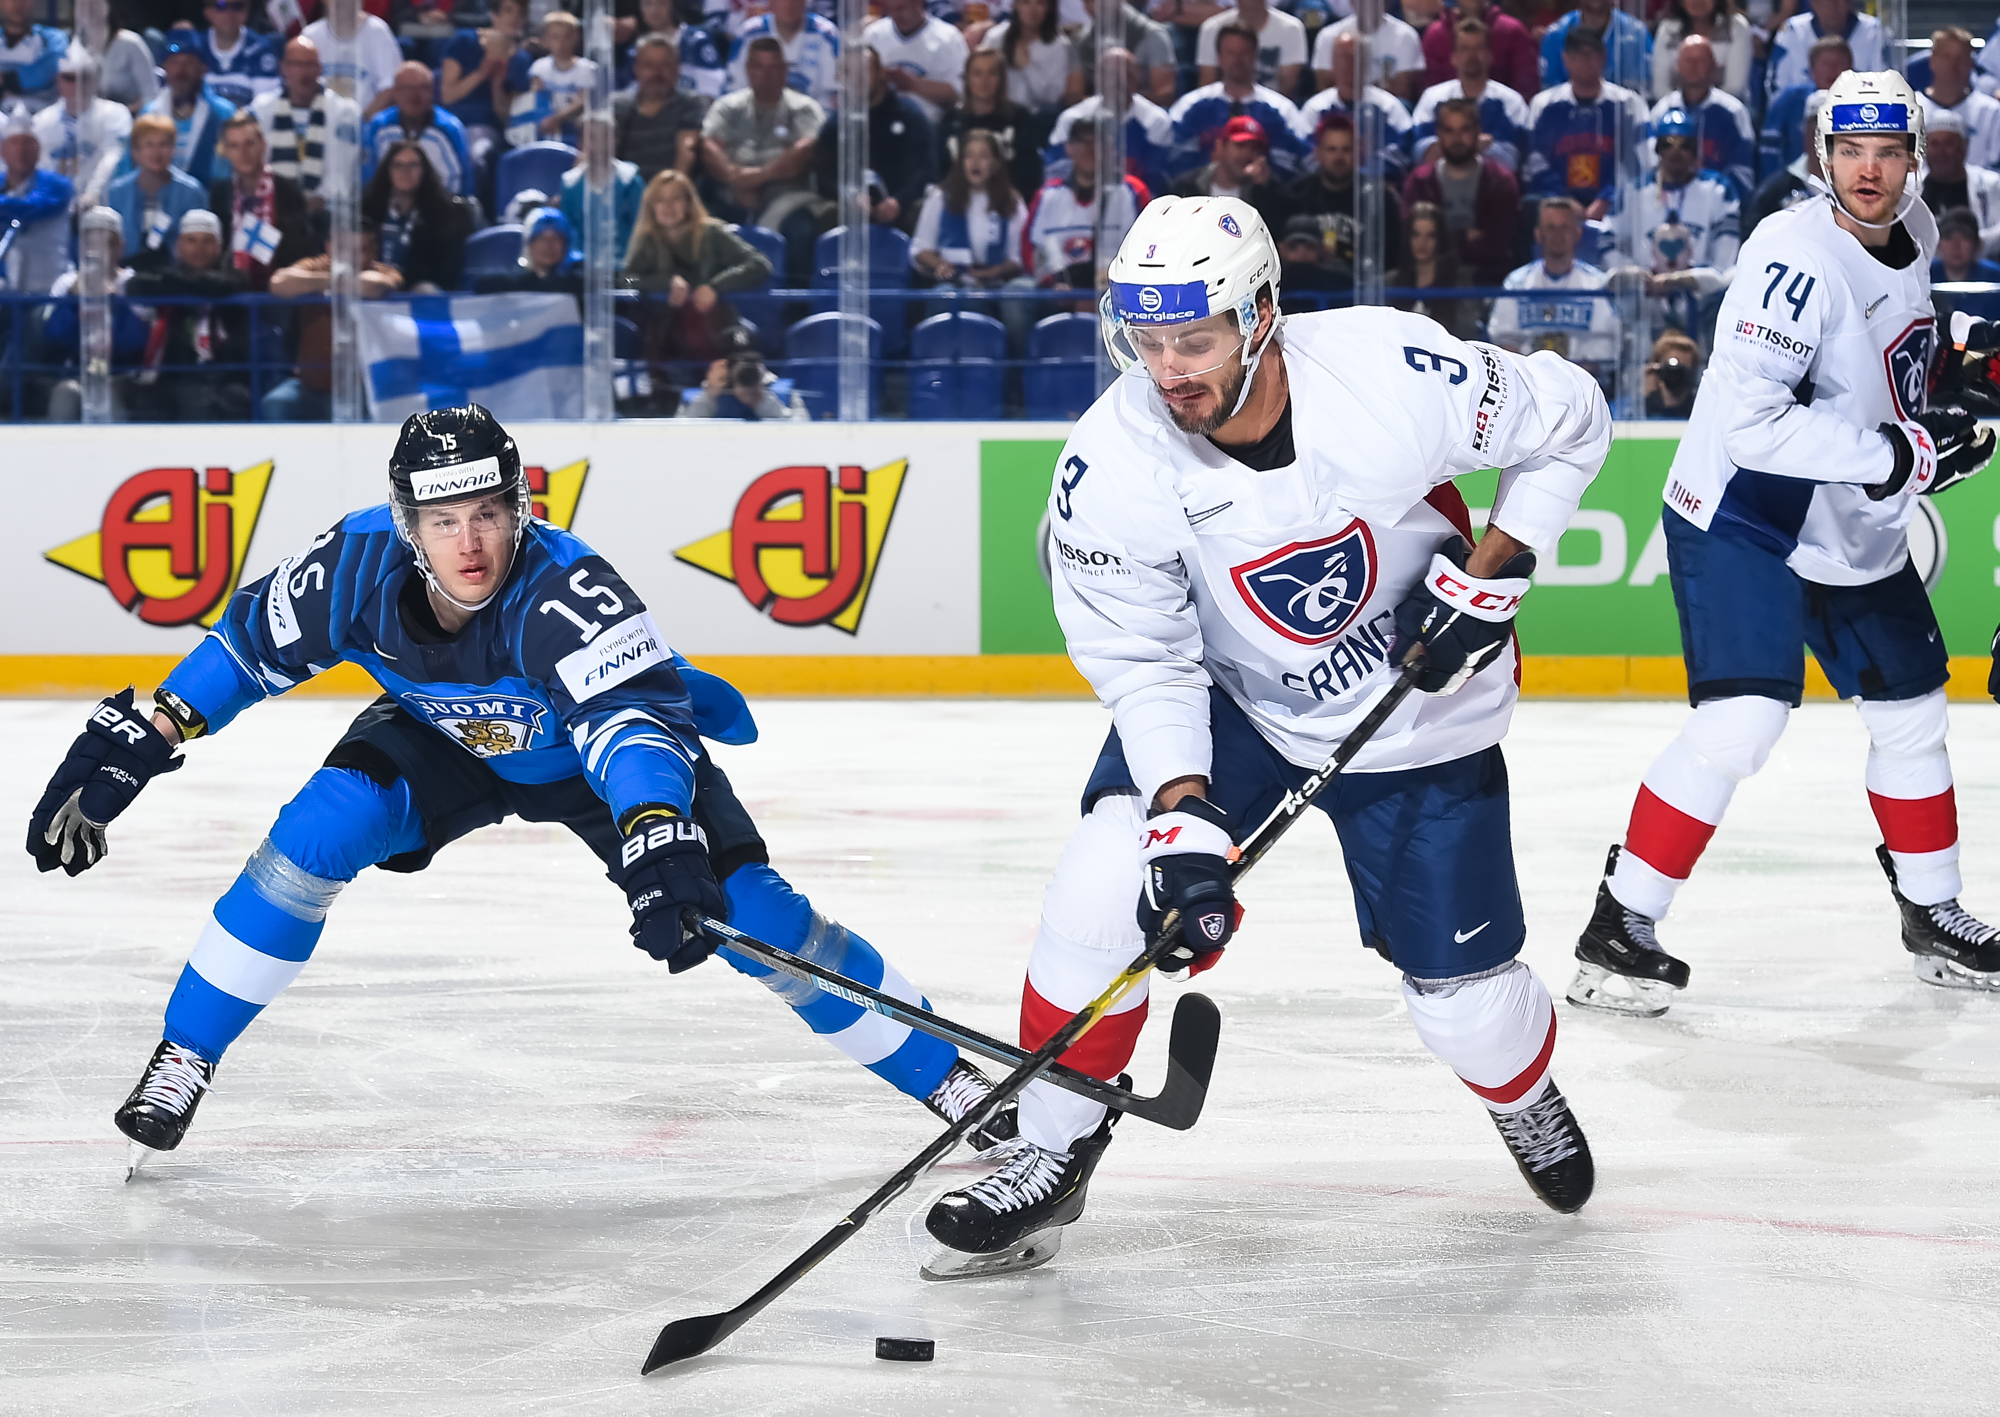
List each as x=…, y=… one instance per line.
x=1786, y=510
x=1253, y=527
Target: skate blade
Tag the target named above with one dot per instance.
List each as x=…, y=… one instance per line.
x=1032, y=1251
x=135, y=1157
x=1596, y=987
x=1948, y=974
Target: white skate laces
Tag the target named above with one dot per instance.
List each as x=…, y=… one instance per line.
x=1954, y=920
x=1028, y=1173
x=1539, y=1134
x=1640, y=928
x=176, y=1080
x=962, y=1090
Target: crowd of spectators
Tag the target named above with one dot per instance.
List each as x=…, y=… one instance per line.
x=1550, y=154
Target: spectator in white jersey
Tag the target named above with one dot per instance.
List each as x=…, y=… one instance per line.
x=1951, y=91
x=369, y=79
x=125, y=75
x=1059, y=248
x=1281, y=45
x=811, y=44
x=1395, y=51
x=84, y=145
x=1790, y=63
x=924, y=56
x=1556, y=310
x=562, y=74
x=1950, y=181
x=1043, y=71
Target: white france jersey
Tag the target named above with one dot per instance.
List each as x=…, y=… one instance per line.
x=1818, y=343
x=1177, y=566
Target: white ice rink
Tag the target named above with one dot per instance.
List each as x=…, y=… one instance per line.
x=483, y=1149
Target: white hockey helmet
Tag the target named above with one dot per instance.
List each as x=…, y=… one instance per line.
x=1872, y=103
x=1185, y=259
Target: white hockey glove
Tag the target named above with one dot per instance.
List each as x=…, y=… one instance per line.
x=1461, y=620
x=1940, y=448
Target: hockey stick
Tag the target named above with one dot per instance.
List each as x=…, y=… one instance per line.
x=1190, y=1050
x=687, y=1338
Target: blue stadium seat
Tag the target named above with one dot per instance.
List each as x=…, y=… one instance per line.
x=537, y=165
x=771, y=244
x=495, y=250
x=888, y=270
x=955, y=370
x=758, y=308
x=812, y=353
x=1061, y=378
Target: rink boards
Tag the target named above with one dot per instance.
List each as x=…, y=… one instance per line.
x=815, y=559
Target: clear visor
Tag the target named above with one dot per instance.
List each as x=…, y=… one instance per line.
x=1171, y=353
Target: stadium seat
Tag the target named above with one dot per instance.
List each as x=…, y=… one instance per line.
x=1061, y=378
x=493, y=251
x=757, y=307
x=812, y=353
x=537, y=165
x=955, y=369
x=888, y=270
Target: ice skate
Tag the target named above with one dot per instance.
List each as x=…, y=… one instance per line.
x=1013, y=1219
x=1948, y=946
x=1621, y=968
x=962, y=1089
x=157, y=1114
x=1550, y=1149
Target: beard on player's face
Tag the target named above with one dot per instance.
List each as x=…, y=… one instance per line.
x=1198, y=415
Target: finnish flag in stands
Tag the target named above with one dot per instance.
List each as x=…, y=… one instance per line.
x=256, y=238
x=520, y=355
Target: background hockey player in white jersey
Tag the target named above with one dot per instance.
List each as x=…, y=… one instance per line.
x=1254, y=527
x=1786, y=511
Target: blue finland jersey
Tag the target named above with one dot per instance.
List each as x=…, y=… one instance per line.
x=562, y=672
x=251, y=70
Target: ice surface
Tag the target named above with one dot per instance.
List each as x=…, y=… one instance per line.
x=484, y=1148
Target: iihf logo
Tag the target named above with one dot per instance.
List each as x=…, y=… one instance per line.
x=1311, y=591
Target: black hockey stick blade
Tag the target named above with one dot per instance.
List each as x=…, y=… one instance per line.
x=1175, y=1106
x=1190, y=1061
x=689, y=1338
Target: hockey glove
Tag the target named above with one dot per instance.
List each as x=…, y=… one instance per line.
x=118, y=753
x=1185, y=856
x=664, y=871
x=1940, y=448
x=1993, y=675
x=1461, y=620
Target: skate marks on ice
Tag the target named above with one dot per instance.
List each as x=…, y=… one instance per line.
x=484, y=1148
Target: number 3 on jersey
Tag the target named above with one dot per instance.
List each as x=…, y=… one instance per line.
x=1796, y=294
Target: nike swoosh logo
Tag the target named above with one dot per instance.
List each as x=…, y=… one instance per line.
x=1195, y=518
x=1873, y=306
x=1463, y=935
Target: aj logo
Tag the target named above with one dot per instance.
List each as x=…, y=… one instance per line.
x=805, y=542
x=171, y=543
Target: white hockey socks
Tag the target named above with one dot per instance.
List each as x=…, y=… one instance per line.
x=1909, y=787
x=1496, y=1030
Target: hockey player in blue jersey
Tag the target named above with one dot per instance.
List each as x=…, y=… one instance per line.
x=524, y=678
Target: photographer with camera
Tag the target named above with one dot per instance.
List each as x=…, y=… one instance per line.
x=741, y=387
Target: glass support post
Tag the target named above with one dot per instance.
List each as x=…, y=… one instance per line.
x=855, y=374
x=1634, y=249
x=1369, y=136
x=97, y=267
x=1116, y=78
x=601, y=256
x=343, y=211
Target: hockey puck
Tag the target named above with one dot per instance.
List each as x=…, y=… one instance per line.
x=906, y=1350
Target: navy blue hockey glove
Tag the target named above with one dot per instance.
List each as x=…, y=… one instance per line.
x=1461, y=620
x=1185, y=856
x=1993, y=675
x=118, y=753
x=665, y=874
x=1939, y=448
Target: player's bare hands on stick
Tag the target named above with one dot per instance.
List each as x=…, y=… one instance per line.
x=1462, y=611
x=1185, y=856
x=669, y=884
x=117, y=754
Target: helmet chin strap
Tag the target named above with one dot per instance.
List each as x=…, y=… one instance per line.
x=1251, y=360
x=1912, y=193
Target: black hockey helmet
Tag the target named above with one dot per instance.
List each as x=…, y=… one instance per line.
x=447, y=455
